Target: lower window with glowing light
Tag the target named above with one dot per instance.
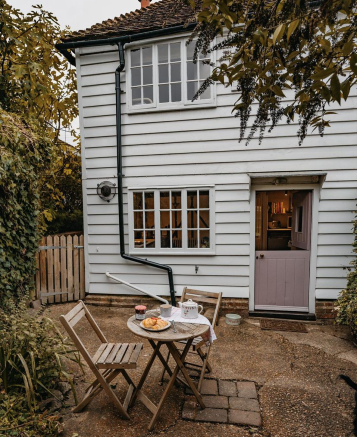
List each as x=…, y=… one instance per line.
x=175, y=220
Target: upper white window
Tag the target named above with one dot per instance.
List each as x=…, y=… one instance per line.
x=163, y=75
x=172, y=220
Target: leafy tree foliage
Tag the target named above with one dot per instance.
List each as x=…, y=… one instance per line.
x=24, y=153
x=304, y=51
x=37, y=99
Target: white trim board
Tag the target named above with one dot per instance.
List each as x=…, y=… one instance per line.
x=315, y=188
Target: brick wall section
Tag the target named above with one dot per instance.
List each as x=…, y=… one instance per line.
x=325, y=311
x=229, y=305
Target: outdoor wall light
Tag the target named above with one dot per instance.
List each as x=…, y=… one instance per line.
x=106, y=190
x=278, y=181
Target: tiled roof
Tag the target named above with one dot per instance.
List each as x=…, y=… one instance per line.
x=156, y=16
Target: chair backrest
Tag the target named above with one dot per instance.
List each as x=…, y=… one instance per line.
x=213, y=298
x=71, y=319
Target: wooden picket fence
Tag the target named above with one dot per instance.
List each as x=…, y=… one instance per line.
x=60, y=269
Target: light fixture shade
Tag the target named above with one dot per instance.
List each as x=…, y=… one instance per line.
x=106, y=190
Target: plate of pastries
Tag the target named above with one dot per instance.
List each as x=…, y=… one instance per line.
x=155, y=324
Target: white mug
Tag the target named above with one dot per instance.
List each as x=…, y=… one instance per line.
x=189, y=309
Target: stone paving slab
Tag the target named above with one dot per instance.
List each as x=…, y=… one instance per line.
x=227, y=388
x=240, y=408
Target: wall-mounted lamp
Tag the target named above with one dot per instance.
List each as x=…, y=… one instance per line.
x=106, y=190
x=278, y=181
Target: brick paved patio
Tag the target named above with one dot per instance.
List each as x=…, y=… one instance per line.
x=226, y=401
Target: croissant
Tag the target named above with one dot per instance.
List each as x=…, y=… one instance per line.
x=149, y=322
x=160, y=323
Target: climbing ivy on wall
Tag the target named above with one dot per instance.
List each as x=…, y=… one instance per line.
x=24, y=154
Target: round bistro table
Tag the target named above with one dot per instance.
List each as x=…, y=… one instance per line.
x=184, y=332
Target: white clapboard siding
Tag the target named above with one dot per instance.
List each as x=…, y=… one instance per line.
x=198, y=146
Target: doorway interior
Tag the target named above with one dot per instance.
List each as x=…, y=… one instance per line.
x=282, y=250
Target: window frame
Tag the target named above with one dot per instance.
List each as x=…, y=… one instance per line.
x=172, y=251
x=164, y=106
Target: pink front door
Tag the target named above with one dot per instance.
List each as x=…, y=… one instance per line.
x=282, y=277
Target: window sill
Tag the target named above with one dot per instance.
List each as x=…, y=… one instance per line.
x=172, y=253
x=132, y=111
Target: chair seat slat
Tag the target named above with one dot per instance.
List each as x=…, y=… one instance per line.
x=105, y=353
x=121, y=353
x=99, y=352
x=128, y=354
x=113, y=353
x=135, y=355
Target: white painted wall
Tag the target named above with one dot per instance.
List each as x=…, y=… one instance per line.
x=200, y=146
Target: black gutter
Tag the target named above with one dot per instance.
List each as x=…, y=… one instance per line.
x=120, y=182
x=71, y=45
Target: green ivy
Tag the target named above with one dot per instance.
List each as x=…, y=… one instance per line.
x=347, y=301
x=24, y=154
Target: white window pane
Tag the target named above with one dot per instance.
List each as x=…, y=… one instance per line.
x=192, y=88
x=163, y=73
x=147, y=55
x=135, y=58
x=136, y=96
x=192, y=239
x=205, y=70
x=165, y=238
x=135, y=76
x=191, y=71
x=176, y=72
x=148, y=97
x=207, y=93
x=176, y=92
x=147, y=75
x=190, y=50
x=175, y=52
x=164, y=93
x=202, y=56
x=192, y=199
x=163, y=53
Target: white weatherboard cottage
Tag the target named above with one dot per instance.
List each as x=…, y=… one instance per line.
x=270, y=223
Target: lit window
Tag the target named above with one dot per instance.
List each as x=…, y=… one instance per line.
x=180, y=219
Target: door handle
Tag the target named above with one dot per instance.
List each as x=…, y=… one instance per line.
x=261, y=256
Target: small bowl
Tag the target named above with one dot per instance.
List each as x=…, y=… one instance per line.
x=233, y=319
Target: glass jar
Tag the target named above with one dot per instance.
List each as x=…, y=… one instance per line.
x=140, y=312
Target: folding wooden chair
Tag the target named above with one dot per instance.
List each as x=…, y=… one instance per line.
x=198, y=296
x=109, y=360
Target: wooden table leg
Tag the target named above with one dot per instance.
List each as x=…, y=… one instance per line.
x=146, y=372
x=170, y=384
x=179, y=360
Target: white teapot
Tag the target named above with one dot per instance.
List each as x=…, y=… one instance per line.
x=189, y=309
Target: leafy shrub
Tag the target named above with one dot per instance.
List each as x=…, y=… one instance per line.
x=32, y=354
x=347, y=301
x=24, y=154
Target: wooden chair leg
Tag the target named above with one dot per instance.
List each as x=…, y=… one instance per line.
x=205, y=365
x=202, y=356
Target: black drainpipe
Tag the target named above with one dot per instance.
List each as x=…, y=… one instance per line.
x=125, y=256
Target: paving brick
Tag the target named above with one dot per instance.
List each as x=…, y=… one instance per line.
x=236, y=416
x=189, y=410
x=244, y=404
x=215, y=401
x=212, y=415
x=227, y=388
x=247, y=390
x=209, y=387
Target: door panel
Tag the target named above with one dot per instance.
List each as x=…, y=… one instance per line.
x=301, y=220
x=282, y=280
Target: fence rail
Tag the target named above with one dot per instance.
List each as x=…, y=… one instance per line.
x=60, y=269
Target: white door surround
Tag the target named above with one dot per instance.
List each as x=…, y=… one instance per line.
x=315, y=188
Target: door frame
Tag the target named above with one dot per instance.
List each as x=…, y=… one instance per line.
x=315, y=188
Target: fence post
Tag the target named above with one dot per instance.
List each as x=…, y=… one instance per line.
x=63, y=268
x=49, y=269
x=76, y=268
x=70, y=267
x=57, y=269
x=81, y=267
